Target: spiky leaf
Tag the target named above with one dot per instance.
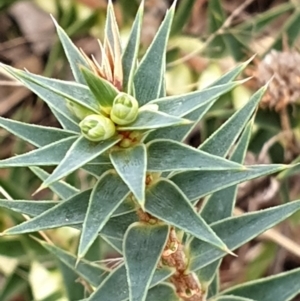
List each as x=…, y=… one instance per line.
x=143, y=245
x=167, y=155
x=103, y=202
x=131, y=164
x=81, y=152
x=161, y=199
x=147, y=79
x=235, y=231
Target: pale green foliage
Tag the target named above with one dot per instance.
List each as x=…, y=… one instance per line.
x=147, y=179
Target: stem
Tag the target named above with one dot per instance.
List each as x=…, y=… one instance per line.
x=187, y=284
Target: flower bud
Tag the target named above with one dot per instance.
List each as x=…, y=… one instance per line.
x=97, y=127
x=124, y=109
x=78, y=110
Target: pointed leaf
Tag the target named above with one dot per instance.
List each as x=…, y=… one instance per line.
x=131, y=165
x=207, y=275
x=187, y=103
x=80, y=153
x=48, y=155
x=61, y=188
x=66, y=123
x=143, y=245
x=76, y=92
x=111, y=30
x=108, y=290
x=53, y=100
x=75, y=58
x=230, y=298
x=129, y=59
x=165, y=292
x=37, y=135
x=281, y=287
x=69, y=212
x=167, y=155
x=107, y=195
x=103, y=91
x=89, y=271
x=219, y=142
x=235, y=231
x=220, y=204
x=180, y=133
x=73, y=91
x=97, y=170
x=196, y=184
x=147, y=79
x=161, y=199
x=31, y=208
x=152, y=120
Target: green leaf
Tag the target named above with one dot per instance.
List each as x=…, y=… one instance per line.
x=89, y=271
x=37, y=135
x=75, y=58
x=179, y=133
x=112, y=31
x=103, y=90
x=220, y=204
x=220, y=141
x=168, y=155
x=196, y=184
x=96, y=169
x=147, y=79
x=131, y=164
x=53, y=100
x=80, y=153
x=73, y=289
x=148, y=119
x=235, y=231
x=73, y=91
x=184, y=104
x=230, y=298
x=207, y=274
x=214, y=286
x=48, y=155
x=117, y=226
x=108, y=193
x=143, y=244
x=130, y=54
x=163, y=292
x=61, y=188
x=161, y=199
x=281, y=287
x=66, y=123
x=31, y=208
x=69, y=212
x=109, y=291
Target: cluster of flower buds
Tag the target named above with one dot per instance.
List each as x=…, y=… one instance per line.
x=97, y=127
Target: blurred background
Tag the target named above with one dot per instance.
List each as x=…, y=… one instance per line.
x=208, y=38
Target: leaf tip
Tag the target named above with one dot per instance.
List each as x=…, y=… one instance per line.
x=42, y=187
x=228, y=251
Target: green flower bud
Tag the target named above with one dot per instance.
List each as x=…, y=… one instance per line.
x=124, y=109
x=97, y=127
x=78, y=110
